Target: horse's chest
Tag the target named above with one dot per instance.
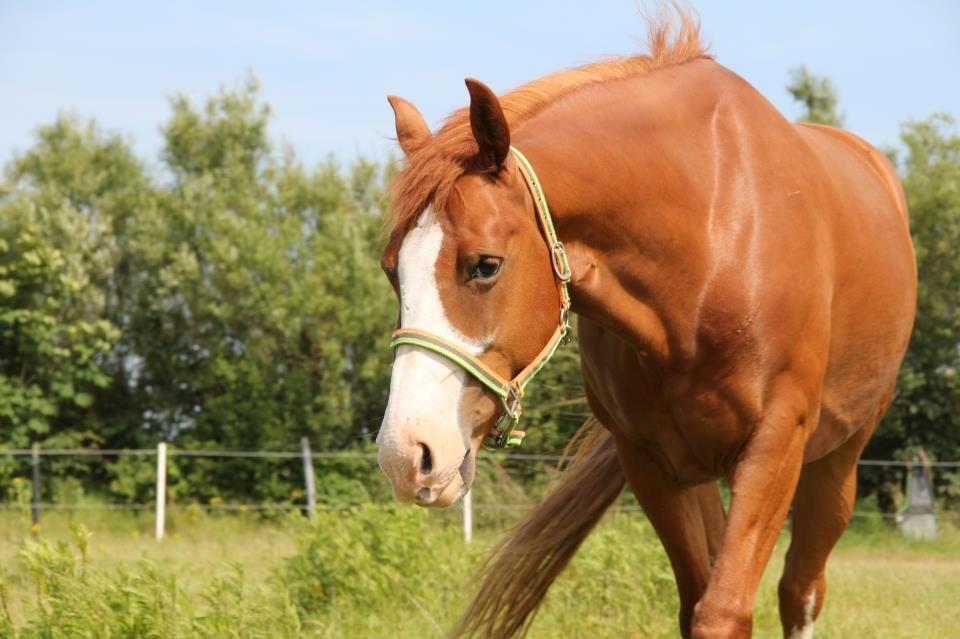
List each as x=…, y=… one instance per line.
x=694, y=429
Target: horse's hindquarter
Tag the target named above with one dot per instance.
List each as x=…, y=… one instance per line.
x=874, y=285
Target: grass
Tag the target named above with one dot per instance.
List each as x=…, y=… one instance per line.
x=376, y=572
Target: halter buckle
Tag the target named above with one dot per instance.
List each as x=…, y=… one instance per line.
x=506, y=438
x=503, y=434
x=561, y=265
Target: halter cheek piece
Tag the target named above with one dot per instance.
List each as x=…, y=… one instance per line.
x=510, y=391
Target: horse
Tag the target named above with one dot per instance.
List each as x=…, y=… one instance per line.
x=745, y=291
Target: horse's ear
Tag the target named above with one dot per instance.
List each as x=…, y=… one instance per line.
x=412, y=129
x=489, y=124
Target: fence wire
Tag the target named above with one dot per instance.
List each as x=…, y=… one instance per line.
x=526, y=460
x=283, y=454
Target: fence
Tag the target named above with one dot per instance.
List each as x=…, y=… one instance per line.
x=163, y=453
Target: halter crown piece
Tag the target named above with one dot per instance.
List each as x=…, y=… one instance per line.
x=510, y=391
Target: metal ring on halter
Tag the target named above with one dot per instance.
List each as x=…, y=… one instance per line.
x=511, y=402
x=500, y=436
x=561, y=265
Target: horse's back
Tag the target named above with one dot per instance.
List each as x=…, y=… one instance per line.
x=868, y=157
x=874, y=283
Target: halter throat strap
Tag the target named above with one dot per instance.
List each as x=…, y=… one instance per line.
x=510, y=391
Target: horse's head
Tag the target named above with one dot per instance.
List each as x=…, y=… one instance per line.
x=473, y=270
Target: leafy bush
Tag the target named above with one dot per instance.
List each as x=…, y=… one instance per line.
x=361, y=557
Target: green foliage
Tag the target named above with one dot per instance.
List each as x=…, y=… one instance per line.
x=55, y=340
x=405, y=572
x=51, y=345
x=360, y=559
x=357, y=558
x=817, y=94
x=247, y=321
x=71, y=599
x=231, y=608
x=232, y=299
x=77, y=193
x=359, y=572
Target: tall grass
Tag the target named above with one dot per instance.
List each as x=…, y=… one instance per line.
x=403, y=572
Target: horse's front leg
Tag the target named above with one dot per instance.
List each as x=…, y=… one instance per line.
x=763, y=482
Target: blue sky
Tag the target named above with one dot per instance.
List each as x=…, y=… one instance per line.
x=326, y=68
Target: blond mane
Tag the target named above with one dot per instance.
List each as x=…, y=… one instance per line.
x=431, y=170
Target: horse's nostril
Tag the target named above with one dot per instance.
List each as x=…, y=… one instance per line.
x=426, y=460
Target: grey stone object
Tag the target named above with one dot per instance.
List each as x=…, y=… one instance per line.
x=919, y=519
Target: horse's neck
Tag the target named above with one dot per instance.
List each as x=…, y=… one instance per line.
x=616, y=164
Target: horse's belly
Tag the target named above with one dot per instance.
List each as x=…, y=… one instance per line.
x=874, y=295
x=869, y=335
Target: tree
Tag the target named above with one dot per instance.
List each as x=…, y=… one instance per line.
x=51, y=347
x=64, y=200
x=817, y=95
x=262, y=315
x=86, y=190
x=232, y=299
x=56, y=256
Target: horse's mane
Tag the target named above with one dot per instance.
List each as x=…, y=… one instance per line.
x=431, y=170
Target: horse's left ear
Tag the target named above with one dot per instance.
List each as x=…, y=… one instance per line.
x=412, y=129
x=489, y=125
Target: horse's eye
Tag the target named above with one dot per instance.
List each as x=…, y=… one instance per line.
x=485, y=268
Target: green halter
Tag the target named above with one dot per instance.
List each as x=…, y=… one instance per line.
x=510, y=391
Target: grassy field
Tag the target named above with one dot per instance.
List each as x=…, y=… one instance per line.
x=385, y=572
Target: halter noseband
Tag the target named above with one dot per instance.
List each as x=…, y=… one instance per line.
x=510, y=391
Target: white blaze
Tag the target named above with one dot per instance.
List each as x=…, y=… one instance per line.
x=425, y=388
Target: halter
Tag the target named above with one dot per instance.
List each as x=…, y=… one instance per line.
x=510, y=391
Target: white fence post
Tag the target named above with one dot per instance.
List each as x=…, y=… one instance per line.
x=468, y=517
x=309, y=478
x=161, y=489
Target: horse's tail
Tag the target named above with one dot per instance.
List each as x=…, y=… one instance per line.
x=536, y=550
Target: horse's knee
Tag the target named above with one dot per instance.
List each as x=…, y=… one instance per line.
x=710, y=622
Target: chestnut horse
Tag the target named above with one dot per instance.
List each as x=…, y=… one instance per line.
x=745, y=289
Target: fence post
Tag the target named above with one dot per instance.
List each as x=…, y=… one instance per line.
x=35, y=498
x=918, y=518
x=309, y=478
x=468, y=517
x=161, y=489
